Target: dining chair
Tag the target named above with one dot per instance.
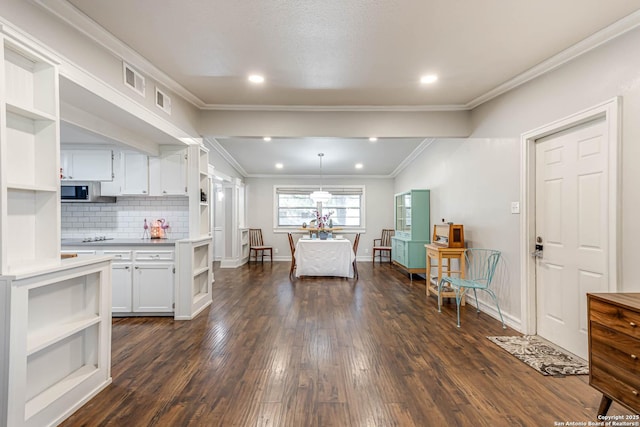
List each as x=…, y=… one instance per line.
x=257, y=245
x=356, y=241
x=292, y=246
x=481, y=268
x=383, y=244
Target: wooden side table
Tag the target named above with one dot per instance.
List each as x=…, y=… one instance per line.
x=440, y=253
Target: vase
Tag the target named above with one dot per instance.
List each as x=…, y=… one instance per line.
x=323, y=235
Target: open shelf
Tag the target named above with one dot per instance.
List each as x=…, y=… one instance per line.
x=32, y=228
x=74, y=358
x=200, y=271
x=200, y=284
x=48, y=336
x=200, y=257
x=29, y=82
x=32, y=148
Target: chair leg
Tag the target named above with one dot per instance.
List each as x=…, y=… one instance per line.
x=476, y=295
x=439, y=299
x=355, y=270
x=497, y=306
x=459, y=295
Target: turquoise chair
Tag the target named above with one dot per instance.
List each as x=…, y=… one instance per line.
x=481, y=267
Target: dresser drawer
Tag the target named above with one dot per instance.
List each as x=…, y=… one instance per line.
x=618, y=349
x=617, y=318
x=615, y=386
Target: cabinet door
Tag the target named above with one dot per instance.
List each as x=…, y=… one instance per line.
x=153, y=287
x=87, y=165
x=135, y=173
x=121, y=284
x=173, y=173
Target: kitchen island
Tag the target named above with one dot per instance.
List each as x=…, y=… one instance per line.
x=152, y=277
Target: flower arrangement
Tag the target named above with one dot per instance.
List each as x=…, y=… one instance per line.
x=322, y=220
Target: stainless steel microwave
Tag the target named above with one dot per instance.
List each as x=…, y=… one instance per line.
x=83, y=192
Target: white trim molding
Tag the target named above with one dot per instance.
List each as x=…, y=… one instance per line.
x=610, y=110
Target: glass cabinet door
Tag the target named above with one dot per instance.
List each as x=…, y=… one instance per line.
x=407, y=212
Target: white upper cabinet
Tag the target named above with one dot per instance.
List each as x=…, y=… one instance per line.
x=135, y=173
x=86, y=165
x=168, y=173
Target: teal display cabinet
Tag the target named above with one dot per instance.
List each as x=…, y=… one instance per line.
x=412, y=231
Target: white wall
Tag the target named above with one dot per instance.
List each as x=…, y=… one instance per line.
x=474, y=180
x=378, y=205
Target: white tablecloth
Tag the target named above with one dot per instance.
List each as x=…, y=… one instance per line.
x=331, y=257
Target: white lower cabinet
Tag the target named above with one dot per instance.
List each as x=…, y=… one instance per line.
x=143, y=280
x=122, y=287
x=153, y=287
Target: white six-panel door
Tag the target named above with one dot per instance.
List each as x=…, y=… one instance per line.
x=572, y=225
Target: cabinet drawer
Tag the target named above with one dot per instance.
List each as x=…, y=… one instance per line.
x=119, y=255
x=614, y=387
x=154, y=255
x=617, y=318
x=613, y=348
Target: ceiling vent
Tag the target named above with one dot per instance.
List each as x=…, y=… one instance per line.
x=133, y=79
x=163, y=102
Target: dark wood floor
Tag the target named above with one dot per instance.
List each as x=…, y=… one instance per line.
x=326, y=352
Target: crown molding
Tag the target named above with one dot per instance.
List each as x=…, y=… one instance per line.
x=85, y=25
x=215, y=145
x=411, y=157
x=335, y=108
x=614, y=30
x=293, y=176
x=68, y=13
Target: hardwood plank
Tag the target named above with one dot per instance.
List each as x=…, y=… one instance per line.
x=326, y=352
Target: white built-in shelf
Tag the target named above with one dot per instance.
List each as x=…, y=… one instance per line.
x=45, y=337
x=200, y=271
x=199, y=297
x=68, y=383
x=204, y=204
x=29, y=113
x=31, y=187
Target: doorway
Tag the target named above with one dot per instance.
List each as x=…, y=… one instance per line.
x=570, y=189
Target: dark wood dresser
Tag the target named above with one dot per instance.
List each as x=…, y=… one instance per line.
x=614, y=348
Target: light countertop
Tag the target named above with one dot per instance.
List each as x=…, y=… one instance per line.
x=118, y=242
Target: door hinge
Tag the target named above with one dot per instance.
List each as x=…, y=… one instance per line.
x=113, y=175
x=185, y=189
x=174, y=270
x=173, y=305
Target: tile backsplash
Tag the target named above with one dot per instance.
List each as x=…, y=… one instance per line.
x=125, y=219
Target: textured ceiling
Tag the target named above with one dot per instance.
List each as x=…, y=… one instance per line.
x=349, y=53
x=344, y=54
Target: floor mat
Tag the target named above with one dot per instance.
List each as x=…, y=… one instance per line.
x=542, y=356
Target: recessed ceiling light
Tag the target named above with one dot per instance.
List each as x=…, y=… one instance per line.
x=256, y=78
x=267, y=138
x=428, y=79
x=373, y=139
x=358, y=165
x=279, y=165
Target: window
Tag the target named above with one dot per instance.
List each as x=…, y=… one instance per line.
x=294, y=206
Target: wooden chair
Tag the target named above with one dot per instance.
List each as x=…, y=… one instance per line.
x=356, y=241
x=383, y=244
x=257, y=245
x=292, y=246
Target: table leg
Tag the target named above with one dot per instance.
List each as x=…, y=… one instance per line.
x=428, y=273
x=463, y=265
x=439, y=277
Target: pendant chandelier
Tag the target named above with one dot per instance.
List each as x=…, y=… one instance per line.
x=320, y=196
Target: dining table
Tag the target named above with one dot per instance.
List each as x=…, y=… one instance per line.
x=329, y=257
